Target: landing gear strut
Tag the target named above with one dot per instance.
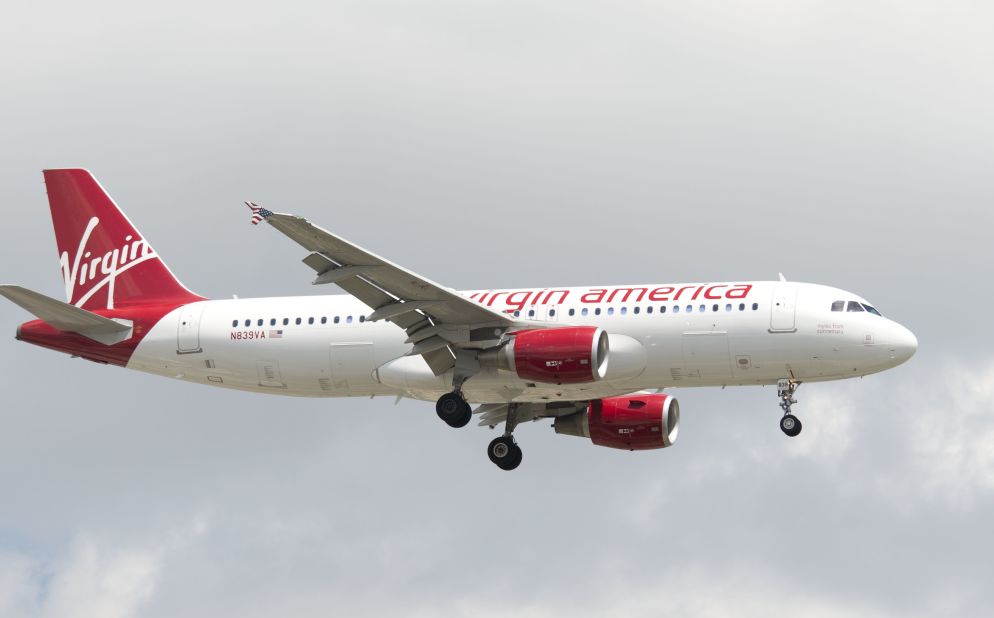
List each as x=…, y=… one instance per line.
x=789, y=424
x=504, y=451
x=453, y=409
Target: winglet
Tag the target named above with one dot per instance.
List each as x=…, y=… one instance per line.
x=258, y=212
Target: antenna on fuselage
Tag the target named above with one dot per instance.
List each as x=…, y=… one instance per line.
x=782, y=278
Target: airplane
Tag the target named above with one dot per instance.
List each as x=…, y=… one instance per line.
x=598, y=361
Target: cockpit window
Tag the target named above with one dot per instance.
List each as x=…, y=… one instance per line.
x=854, y=306
x=871, y=309
x=839, y=305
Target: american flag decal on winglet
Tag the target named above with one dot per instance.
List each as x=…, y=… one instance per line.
x=258, y=212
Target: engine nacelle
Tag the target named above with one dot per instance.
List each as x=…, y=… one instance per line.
x=569, y=355
x=633, y=422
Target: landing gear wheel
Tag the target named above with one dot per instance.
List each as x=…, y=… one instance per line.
x=504, y=453
x=790, y=425
x=453, y=409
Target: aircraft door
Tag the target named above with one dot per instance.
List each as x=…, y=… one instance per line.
x=783, y=310
x=188, y=329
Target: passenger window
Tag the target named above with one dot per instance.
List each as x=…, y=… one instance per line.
x=728, y=307
x=635, y=310
x=714, y=307
x=584, y=311
x=362, y=319
x=624, y=311
x=234, y=324
x=755, y=306
x=310, y=320
x=572, y=311
x=348, y=319
x=337, y=319
x=648, y=309
x=662, y=309
x=517, y=314
x=690, y=308
x=839, y=305
x=597, y=311
x=248, y=323
x=286, y=321
x=610, y=310
x=324, y=319
x=272, y=322
x=552, y=313
x=298, y=321
x=742, y=306
x=259, y=323
x=702, y=308
x=676, y=308
x=531, y=313
x=854, y=306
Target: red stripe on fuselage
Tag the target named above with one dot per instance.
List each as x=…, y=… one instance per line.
x=144, y=318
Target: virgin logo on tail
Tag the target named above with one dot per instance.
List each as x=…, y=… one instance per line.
x=87, y=270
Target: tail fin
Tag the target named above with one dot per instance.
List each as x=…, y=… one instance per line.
x=105, y=261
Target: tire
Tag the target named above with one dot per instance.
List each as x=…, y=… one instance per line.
x=514, y=463
x=790, y=425
x=504, y=453
x=462, y=421
x=452, y=409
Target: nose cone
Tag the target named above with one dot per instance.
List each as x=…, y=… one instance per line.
x=903, y=343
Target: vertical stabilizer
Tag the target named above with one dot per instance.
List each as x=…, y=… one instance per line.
x=106, y=263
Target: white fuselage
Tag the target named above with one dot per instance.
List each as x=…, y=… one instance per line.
x=322, y=346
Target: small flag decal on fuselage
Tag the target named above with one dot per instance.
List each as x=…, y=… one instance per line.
x=275, y=334
x=258, y=212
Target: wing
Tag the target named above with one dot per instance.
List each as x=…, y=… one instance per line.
x=436, y=319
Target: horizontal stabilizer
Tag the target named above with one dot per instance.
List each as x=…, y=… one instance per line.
x=66, y=317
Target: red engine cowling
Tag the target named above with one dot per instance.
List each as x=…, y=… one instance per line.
x=632, y=422
x=571, y=355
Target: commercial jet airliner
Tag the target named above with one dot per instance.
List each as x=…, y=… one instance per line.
x=595, y=360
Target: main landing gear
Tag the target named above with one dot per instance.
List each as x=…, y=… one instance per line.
x=454, y=409
x=504, y=451
x=789, y=424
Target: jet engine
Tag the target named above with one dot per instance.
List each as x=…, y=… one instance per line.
x=569, y=355
x=632, y=422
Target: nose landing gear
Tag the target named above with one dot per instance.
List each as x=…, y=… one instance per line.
x=789, y=424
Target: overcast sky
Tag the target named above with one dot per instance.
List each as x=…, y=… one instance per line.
x=489, y=144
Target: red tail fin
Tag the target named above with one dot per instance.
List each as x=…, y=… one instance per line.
x=106, y=262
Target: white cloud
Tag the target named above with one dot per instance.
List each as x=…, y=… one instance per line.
x=698, y=592
x=952, y=438
x=93, y=577
x=828, y=434
x=15, y=584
